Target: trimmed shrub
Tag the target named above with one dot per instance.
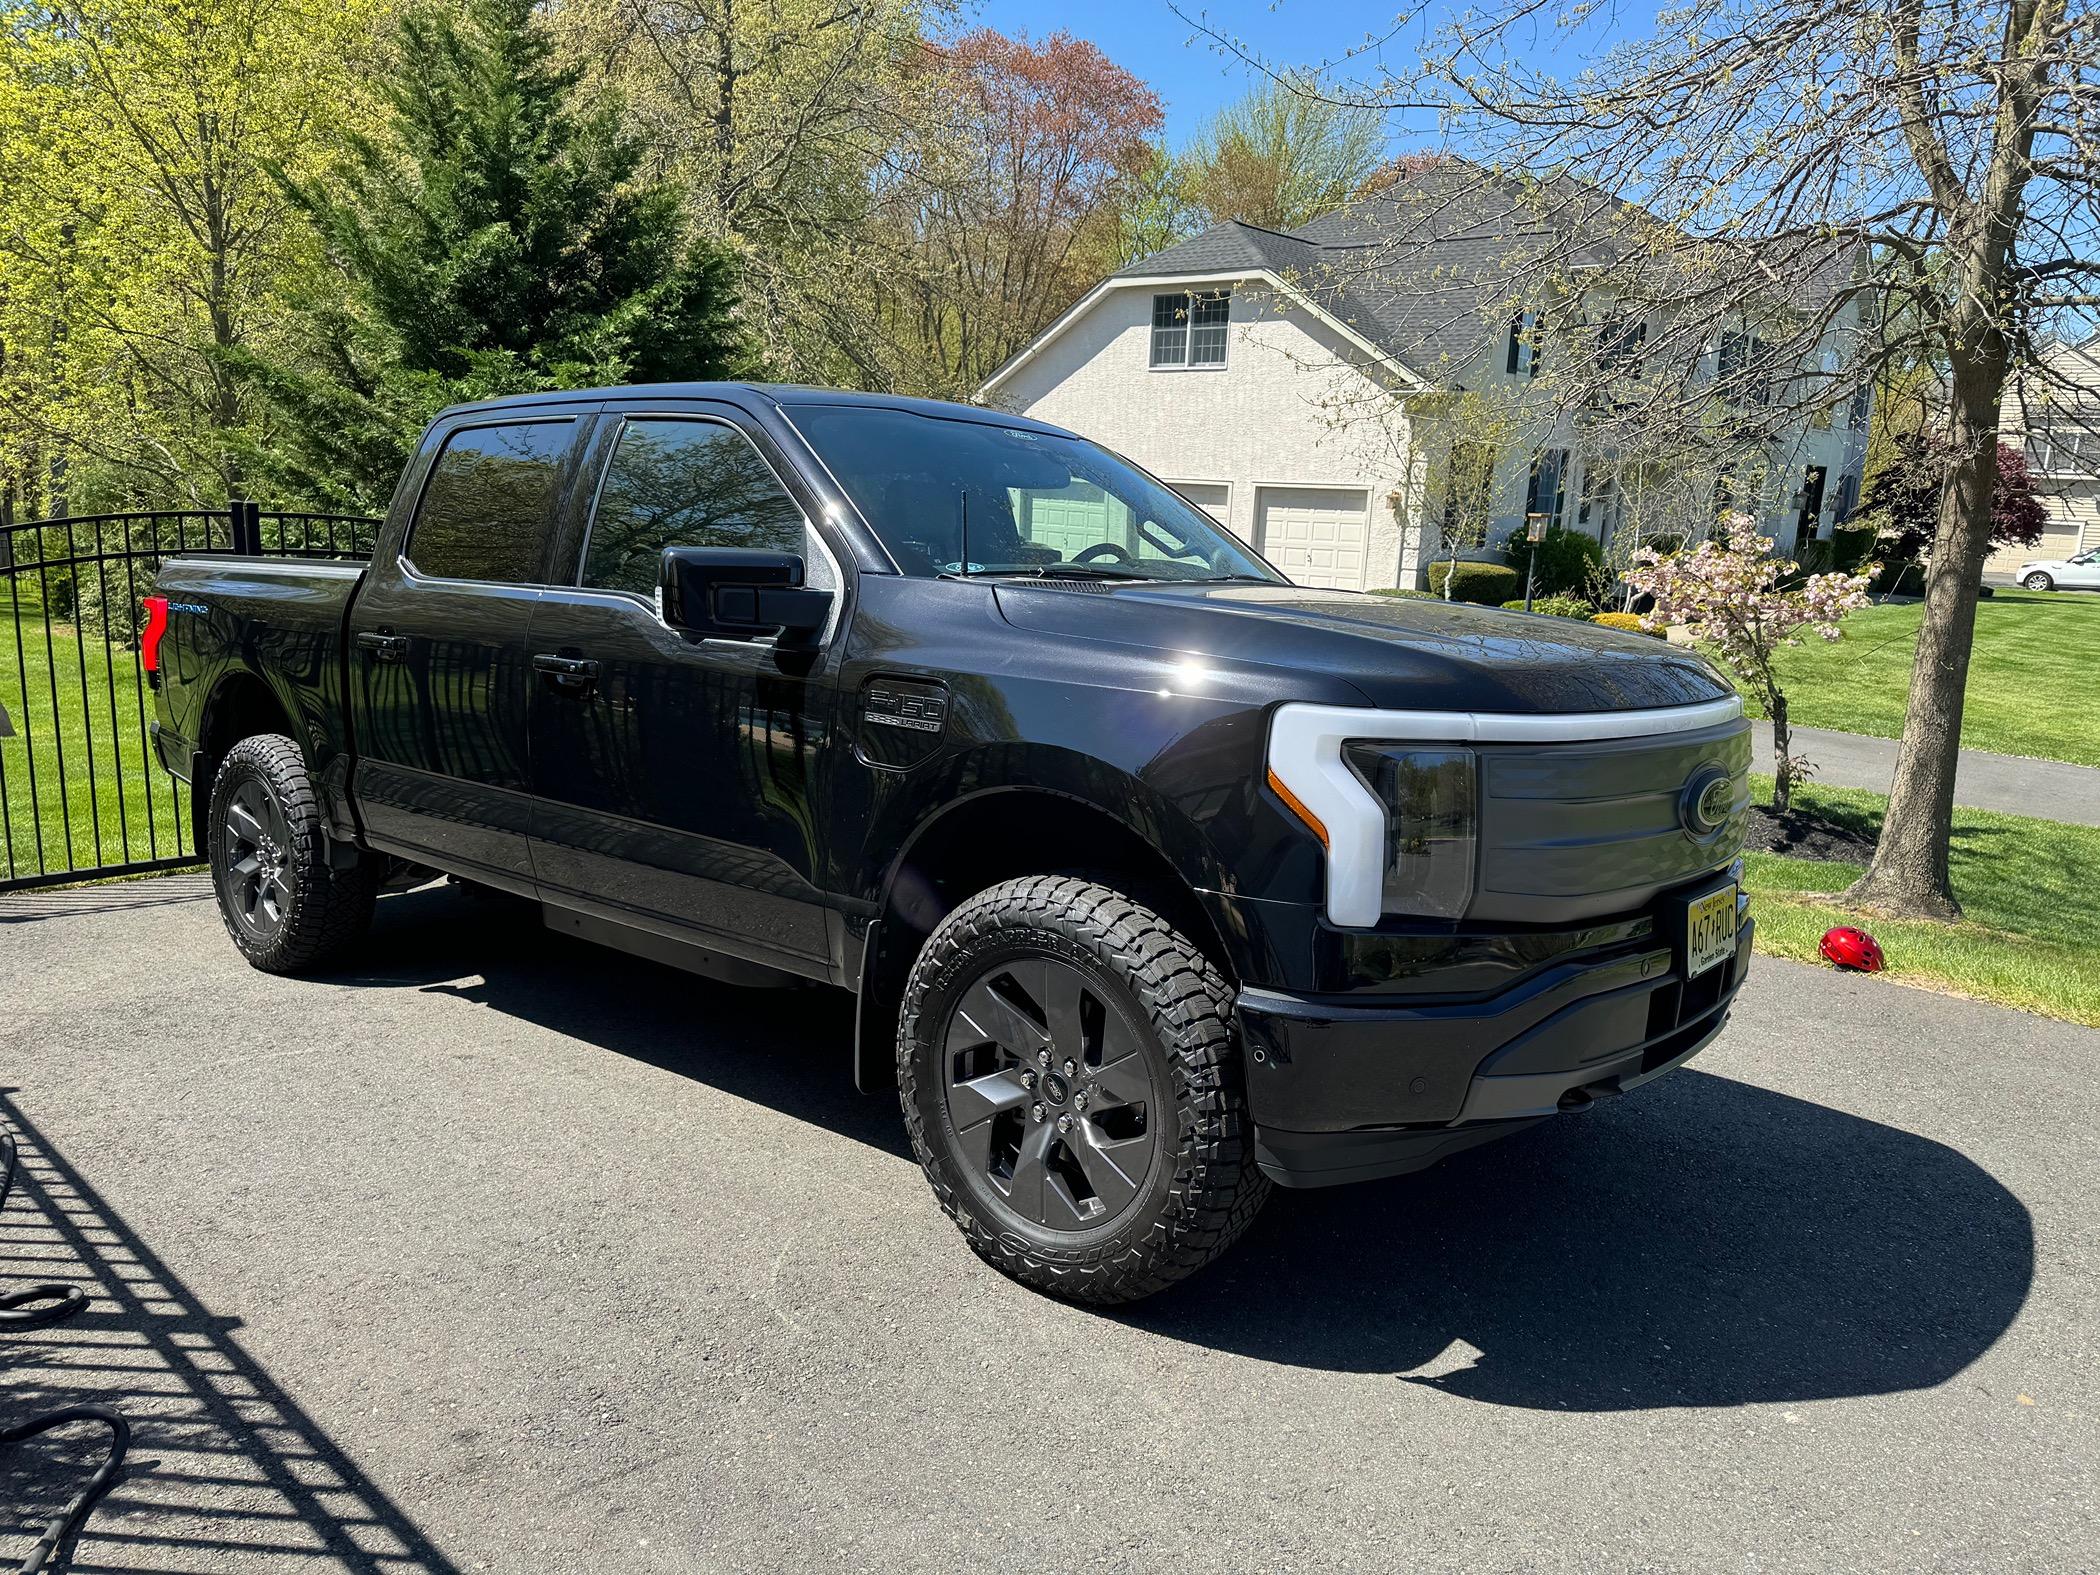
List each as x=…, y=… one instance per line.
x=1853, y=547
x=1395, y=591
x=1626, y=622
x=1900, y=579
x=1568, y=562
x=1487, y=583
x=1553, y=606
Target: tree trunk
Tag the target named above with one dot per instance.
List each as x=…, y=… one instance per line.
x=1908, y=875
x=726, y=75
x=1782, y=757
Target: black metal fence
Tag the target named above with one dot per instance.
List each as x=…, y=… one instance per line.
x=81, y=795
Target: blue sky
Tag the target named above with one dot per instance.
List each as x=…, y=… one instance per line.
x=1146, y=38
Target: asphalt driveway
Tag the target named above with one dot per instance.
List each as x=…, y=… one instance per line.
x=500, y=1252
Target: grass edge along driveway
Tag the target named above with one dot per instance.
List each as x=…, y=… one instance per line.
x=2031, y=674
x=2030, y=894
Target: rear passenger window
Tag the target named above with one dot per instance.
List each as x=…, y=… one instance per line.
x=488, y=507
x=673, y=483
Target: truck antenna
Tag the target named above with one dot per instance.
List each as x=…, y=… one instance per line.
x=962, y=497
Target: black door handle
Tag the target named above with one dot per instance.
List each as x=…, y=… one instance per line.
x=383, y=647
x=571, y=674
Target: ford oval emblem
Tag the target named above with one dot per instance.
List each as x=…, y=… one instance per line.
x=1706, y=802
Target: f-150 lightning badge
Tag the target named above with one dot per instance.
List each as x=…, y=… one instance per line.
x=921, y=707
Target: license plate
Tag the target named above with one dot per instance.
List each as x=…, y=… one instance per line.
x=1709, y=931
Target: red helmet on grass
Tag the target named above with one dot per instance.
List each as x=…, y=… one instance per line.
x=1854, y=949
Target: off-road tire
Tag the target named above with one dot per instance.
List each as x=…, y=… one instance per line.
x=327, y=909
x=1204, y=1189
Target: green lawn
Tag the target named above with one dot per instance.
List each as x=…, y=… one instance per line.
x=79, y=714
x=2030, y=679
x=2030, y=894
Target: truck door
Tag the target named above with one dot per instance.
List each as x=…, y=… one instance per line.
x=677, y=779
x=440, y=674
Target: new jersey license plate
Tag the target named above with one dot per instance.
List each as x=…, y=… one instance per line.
x=1709, y=936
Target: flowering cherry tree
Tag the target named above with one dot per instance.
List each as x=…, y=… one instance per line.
x=1727, y=592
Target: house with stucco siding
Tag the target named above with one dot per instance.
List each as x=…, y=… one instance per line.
x=1303, y=395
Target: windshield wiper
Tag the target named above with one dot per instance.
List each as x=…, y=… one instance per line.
x=1072, y=571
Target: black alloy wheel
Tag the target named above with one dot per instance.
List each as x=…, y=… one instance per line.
x=291, y=897
x=258, y=884
x=1049, y=1094
x=1068, y=1066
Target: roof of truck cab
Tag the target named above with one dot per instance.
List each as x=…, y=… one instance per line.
x=786, y=395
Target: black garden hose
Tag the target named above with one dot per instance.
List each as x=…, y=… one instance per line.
x=33, y=1309
x=69, y=1520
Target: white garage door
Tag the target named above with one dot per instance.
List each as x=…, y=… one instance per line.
x=1212, y=497
x=1071, y=520
x=1316, y=535
x=2059, y=540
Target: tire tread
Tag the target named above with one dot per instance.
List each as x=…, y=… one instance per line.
x=1217, y=1189
x=331, y=908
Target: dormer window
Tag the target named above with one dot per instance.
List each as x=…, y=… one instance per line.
x=1188, y=328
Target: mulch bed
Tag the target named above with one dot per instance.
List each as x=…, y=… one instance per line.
x=1800, y=835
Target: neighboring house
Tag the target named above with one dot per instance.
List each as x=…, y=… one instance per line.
x=2059, y=424
x=1299, y=387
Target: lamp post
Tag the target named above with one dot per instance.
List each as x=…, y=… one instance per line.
x=1534, y=532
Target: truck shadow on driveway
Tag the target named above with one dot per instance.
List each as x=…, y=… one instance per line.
x=1702, y=1242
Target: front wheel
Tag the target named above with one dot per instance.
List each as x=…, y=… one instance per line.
x=1070, y=1077
x=285, y=903
x=2039, y=581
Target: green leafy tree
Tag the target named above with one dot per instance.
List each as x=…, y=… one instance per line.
x=776, y=119
x=1283, y=155
x=497, y=237
x=146, y=244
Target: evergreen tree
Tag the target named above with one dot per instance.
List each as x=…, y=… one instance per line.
x=496, y=239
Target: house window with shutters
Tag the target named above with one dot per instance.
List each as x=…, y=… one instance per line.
x=1549, y=474
x=1526, y=340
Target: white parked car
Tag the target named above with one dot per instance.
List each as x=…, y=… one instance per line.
x=2080, y=571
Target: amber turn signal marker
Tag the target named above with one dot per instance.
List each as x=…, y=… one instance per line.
x=1297, y=808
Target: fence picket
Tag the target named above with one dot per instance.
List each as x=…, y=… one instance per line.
x=108, y=558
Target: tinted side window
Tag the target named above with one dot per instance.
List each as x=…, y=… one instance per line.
x=673, y=483
x=488, y=507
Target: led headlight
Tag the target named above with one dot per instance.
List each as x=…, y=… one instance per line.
x=1431, y=824
x=1393, y=796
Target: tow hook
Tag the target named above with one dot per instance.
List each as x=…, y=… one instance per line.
x=1582, y=1098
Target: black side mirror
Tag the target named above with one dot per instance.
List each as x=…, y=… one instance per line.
x=739, y=593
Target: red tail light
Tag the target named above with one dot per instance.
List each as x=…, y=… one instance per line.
x=149, y=638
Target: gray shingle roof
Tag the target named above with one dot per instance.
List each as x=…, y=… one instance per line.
x=1225, y=247
x=1421, y=268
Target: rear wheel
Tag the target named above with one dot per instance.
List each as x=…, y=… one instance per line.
x=285, y=904
x=1070, y=1077
x=2039, y=581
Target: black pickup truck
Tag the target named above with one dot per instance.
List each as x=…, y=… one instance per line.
x=1157, y=877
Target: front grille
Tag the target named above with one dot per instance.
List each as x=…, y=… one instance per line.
x=1581, y=830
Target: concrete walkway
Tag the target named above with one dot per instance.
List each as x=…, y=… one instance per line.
x=2045, y=789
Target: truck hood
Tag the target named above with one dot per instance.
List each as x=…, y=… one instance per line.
x=1398, y=652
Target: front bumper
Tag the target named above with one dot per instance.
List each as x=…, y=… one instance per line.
x=1341, y=1090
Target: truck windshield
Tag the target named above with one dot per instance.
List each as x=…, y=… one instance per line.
x=1026, y=502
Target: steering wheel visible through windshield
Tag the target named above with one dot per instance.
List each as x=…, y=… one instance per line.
x=956, y=496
